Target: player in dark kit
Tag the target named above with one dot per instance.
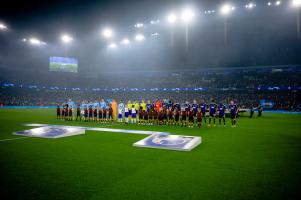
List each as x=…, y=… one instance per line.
x=146, y=117
x=66, y=112
x=251, y=111
x=177, y=117
x=199, y=118
x=70, y=114
x=170, y=116
x=100, y=113
x=164, y=115
x=184, y=115
x=86, y=114
x=194, y=108
x=221, y=114
x=110, y=118
x=58, y=112
x=212, y=113
x=78, y=113
x=187, y=107
x=203, y=108
x=63, y=113
x=90, y=113
x=233, y=113
x=259, y=111
x=141, y=115
x=191, y=118
x=160, y=117
x=95, y=114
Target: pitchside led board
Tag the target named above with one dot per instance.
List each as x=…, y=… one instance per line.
x=63, y=64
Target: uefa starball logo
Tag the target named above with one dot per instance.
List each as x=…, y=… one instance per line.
x=170, y=141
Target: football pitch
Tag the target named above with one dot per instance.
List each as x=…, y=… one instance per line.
x=260, y=159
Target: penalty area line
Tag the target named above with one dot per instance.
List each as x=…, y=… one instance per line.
x=18, y=138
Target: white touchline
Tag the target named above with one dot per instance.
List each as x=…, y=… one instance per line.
x=8, y=139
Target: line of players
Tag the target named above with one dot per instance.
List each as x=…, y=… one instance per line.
x=156, y=113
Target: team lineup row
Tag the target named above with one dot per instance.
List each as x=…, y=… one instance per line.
x=156, y=113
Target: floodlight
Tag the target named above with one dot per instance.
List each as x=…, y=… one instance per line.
x=269, y=3
x=296, y=3
x=107, y=33
x=2, y=27
x=155, y=21
x=187, y=15
x=277, y=3
x=226, y=9
x=172, y=18
x=112, y=45
x=66, y=38
x=250, y=5
x=139, y=25
x=35, y=41
x=139, y=37
x=125, y=41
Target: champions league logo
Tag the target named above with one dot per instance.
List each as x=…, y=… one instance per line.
x=170, y=141
x=52, y=131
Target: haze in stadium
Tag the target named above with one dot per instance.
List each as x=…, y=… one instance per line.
x=140, y=99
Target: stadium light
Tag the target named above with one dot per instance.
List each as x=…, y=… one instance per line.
x=187, y=15
x=139, y=25
x=278, y=3
x=269, y=3
x=250, y=6
x=139, y=37
x=171, y=18
x=296, y=3
x=3, y=27
x=107, y=33
x=154, y=22
x=112, y=45
x=226, y=9
x=35, y=41
x=125, y=41
x=66, y=39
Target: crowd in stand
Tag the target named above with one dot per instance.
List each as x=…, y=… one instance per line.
x=241, y=85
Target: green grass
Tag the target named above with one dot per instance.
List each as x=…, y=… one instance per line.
x=260, y=159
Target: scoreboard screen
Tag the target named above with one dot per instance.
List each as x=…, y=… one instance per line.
x=63, y=64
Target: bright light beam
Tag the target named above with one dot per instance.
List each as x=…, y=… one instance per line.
x=226, y=9
x=250, y=5
x=296, y=3
x=112, y=45
x=66, y=38
x=2, y=27
x=107, y=33
x=35, y=41
x=187, y=15
x=139, y=37
x=171, y=18
x=125, y=41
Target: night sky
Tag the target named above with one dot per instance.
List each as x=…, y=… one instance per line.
x=263, y=36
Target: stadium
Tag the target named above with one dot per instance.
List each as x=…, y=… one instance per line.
x=139, y=99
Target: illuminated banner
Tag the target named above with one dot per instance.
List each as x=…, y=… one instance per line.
x=62, y=64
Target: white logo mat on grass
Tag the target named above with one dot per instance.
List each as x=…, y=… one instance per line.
x=171, y=142
x=51, y=132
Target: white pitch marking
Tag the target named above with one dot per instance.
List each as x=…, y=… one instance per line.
x=13, y=139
